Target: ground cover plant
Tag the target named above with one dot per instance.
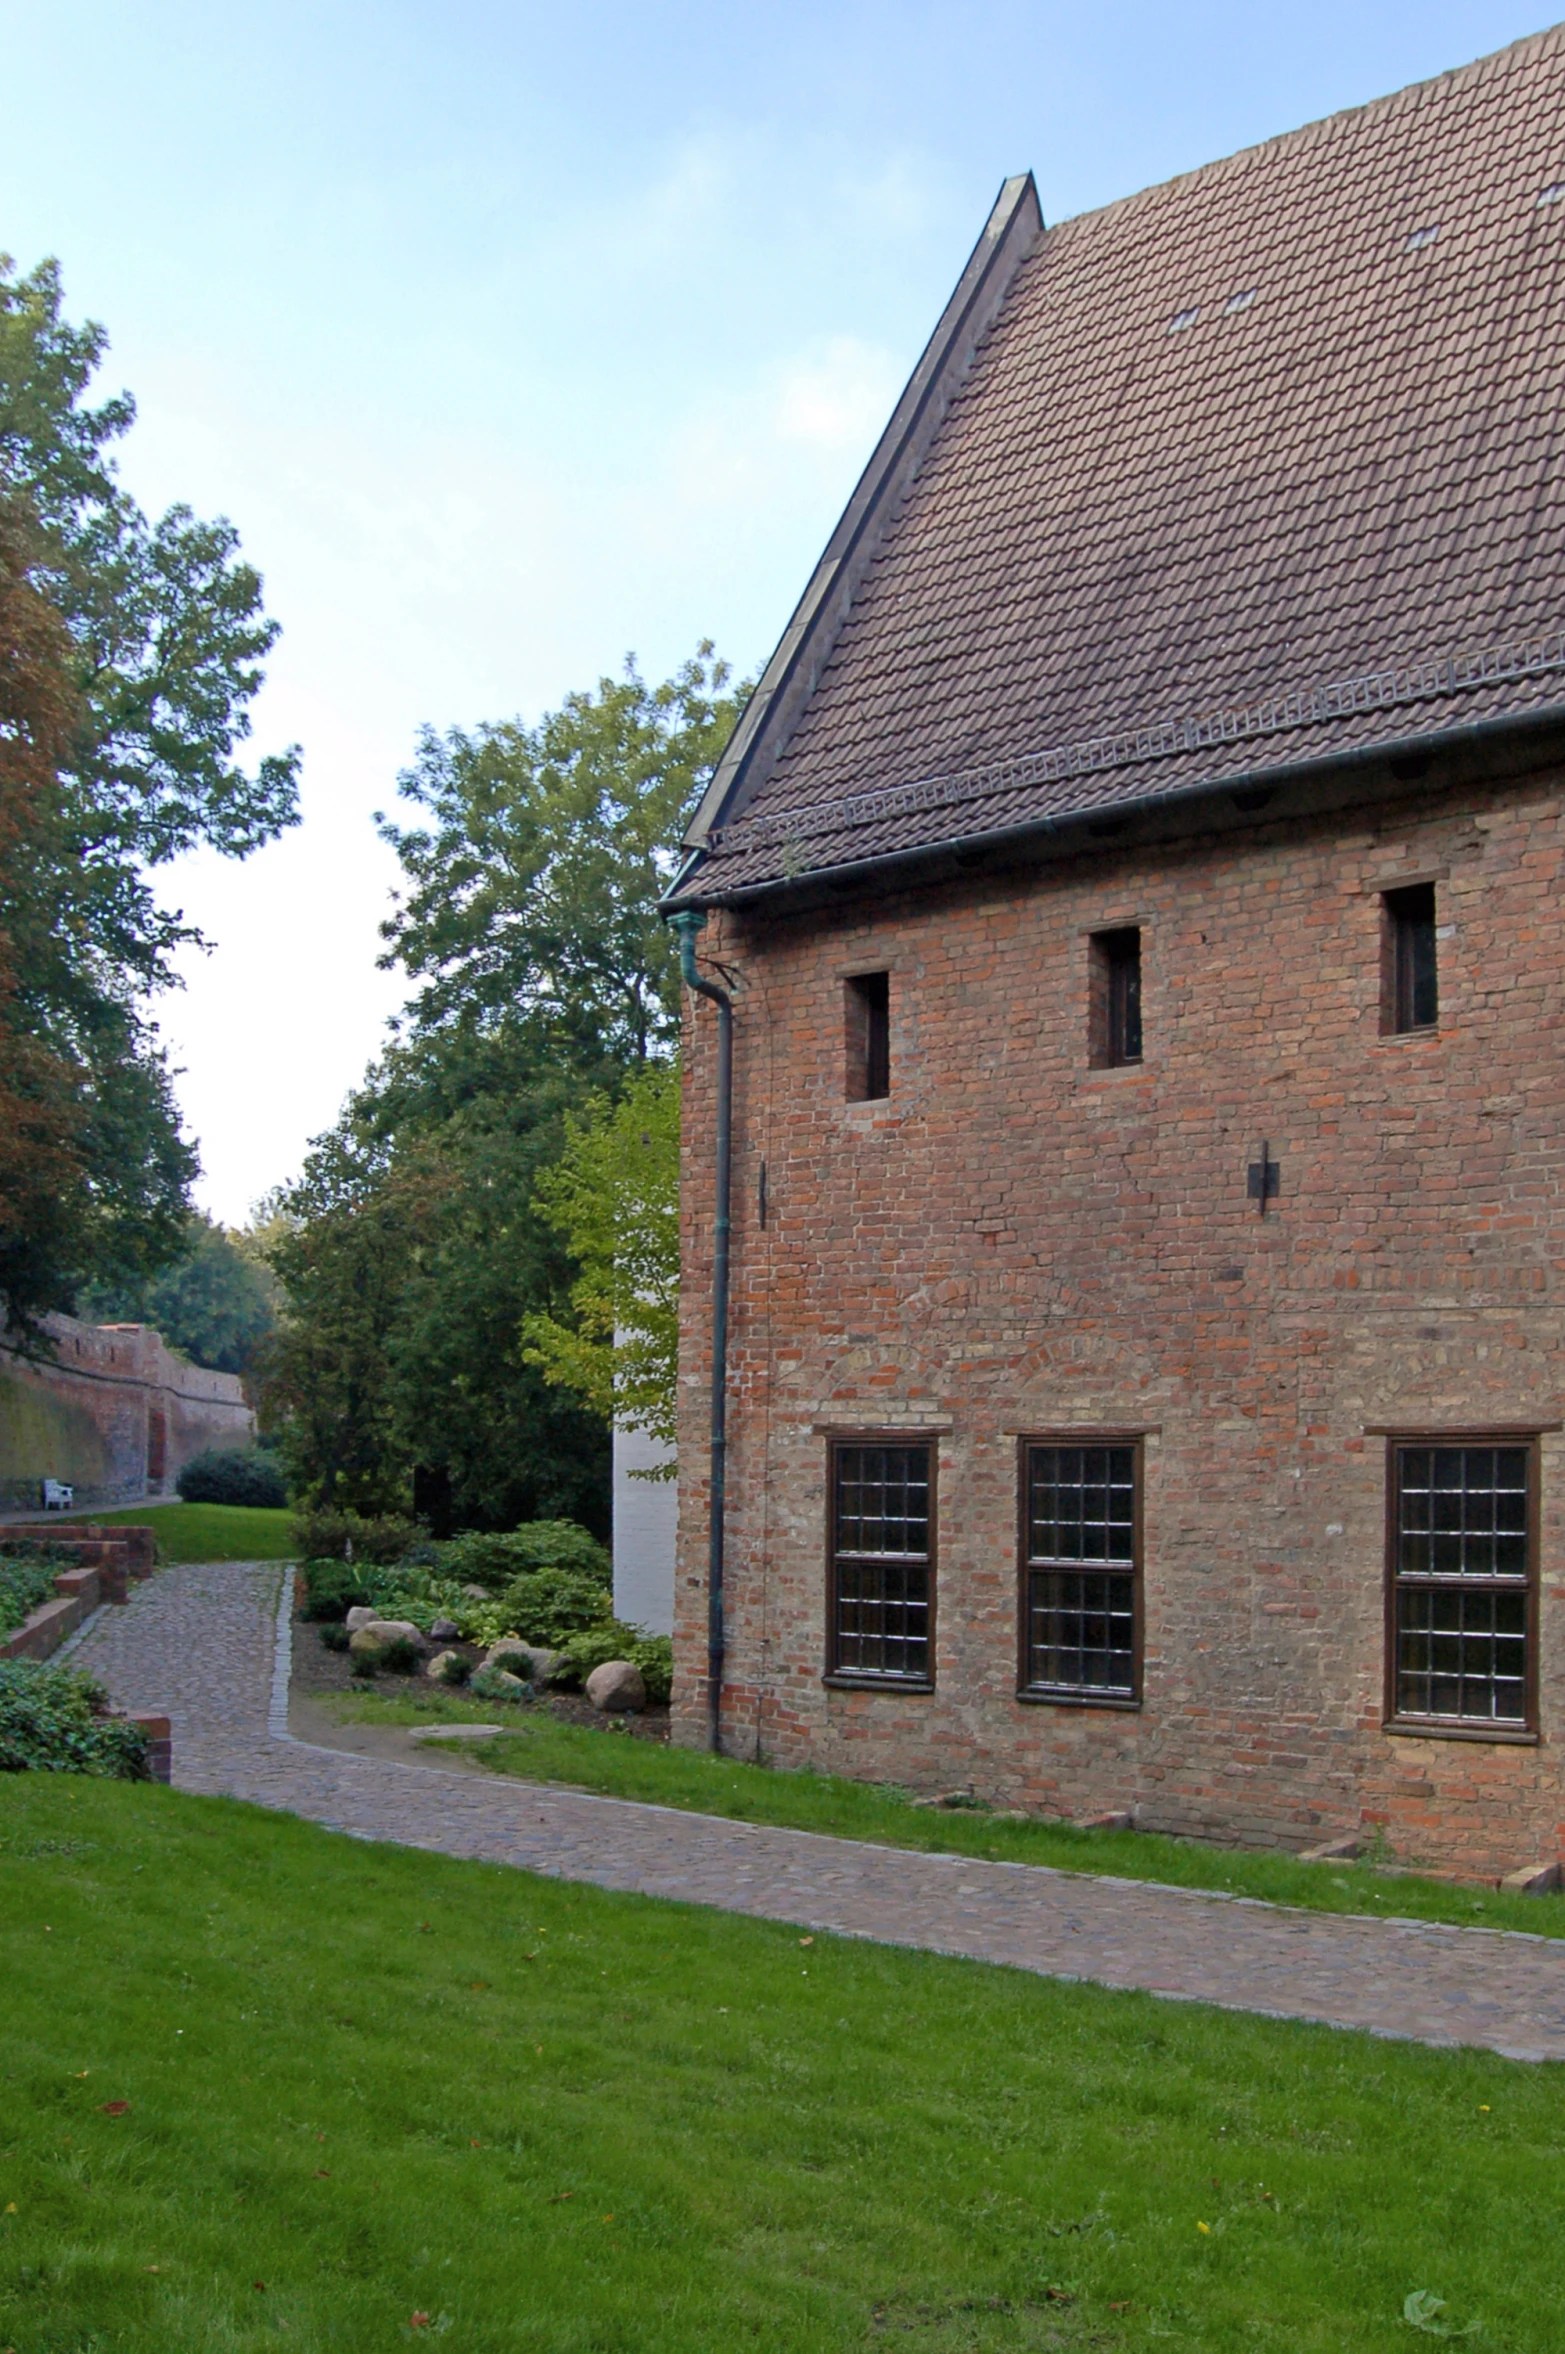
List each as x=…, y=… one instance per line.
x=54, y=1720
x=542, y=1748
x=26, y=1579
x=208, y=1532
x=268, y=2086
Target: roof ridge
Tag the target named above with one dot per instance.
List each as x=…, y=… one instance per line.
x=1389, y=103
x=1385, y=689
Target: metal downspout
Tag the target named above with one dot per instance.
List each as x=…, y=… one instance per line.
x=685, y=925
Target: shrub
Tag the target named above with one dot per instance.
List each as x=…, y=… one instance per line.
x=320, y=1531
x=53, y=1720
x=233, y=1475
x=335, y=1636
x=24, y=1583
x=541, y=1545
x=548, y=1605
x=331, y=1589
x=454, y=1668
x=364, y=1665
x=611, y=1638
x=497, y=1683
x=400, y=1655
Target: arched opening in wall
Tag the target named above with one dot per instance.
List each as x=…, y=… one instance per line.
x=157, y=1446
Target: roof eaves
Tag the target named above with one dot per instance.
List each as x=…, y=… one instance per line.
x=1010, y=234
x=882, y=865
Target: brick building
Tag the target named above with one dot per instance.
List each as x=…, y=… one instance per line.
x=1137, y=880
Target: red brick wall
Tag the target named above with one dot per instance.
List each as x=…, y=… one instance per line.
x=1014, y=1242
x=114, y=1412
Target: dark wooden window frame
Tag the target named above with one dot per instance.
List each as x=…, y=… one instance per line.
x=859, y=1679
x=1115, y=1032
x=1504, y=1732
x=1049, y=1696
x=1398, y=985
x=866, y=1027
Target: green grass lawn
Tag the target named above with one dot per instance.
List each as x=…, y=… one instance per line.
x=209, y=1532
x=266, y=2086
x=544, y=1749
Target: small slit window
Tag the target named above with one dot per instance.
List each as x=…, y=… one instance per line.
x=1463, y=1520
x=1410, y=979
x=1553, y=194
x=1114, y=1014
x=1422, y=237
x=867, y=1024
x=1080, y=1572
x=1240, y=301
x=1183, y=319
x=882, y=1563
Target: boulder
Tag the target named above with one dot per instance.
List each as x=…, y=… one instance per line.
x=360, y=1615
x=444, y=1630
x=447, y=1667
x=365, y=1643
x=477, y=1593
x=616, y=1688
x=512, y=1654
x=397, y=1630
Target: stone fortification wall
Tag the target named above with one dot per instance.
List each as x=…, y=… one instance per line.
x=115, y=1413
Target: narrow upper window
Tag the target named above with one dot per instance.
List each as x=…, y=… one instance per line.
x=1080, y=1571
x=882, y=1562
x=1183, y=319
x=1461, y=1583
x=1410, y=991
x=1422, y=237
x=1115, y=1013
x=867, y=1023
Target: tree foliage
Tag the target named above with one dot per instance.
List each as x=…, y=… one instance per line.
x=613, y=1196
x=533, y=886
x=216, y=1304
x=129, y=654
x=430, y=1260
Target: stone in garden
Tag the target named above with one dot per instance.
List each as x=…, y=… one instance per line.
x=360, y=1615
x=396, y=1630
x=476, y=1593
x=454, y=1732
x=512, y=1654
x=616, y=1687
x=444, y=1630
x=444, y=1665
x=365, y=1643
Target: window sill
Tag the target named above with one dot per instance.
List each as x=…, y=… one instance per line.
x=1034, y=1696
x=836, y=1682
x=1410, y=1728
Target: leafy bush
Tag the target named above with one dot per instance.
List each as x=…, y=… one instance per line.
x=53, y=1721
x=365, y=1666
x=541, y=1545
x=400, y=1655
x=350, y=1536
x=233, y=1475
x=331, y=1589
x=335, y=1636
x=24, y=1583
x=497, y=1683
x=548, y=1605
x=454, y=1669
x=610, y=1639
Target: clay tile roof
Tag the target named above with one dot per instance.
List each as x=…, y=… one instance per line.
x=1249, y=469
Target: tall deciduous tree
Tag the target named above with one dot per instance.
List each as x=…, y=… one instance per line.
x=613, y=1196
x=421, y=1254
x=157, y=637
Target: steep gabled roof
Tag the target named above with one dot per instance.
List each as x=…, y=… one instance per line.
x=1247, y=471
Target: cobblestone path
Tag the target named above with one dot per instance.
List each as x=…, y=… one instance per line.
x=209, y=1646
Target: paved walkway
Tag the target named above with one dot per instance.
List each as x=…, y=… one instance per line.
x=210, y=1646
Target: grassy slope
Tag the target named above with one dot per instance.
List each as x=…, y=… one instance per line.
x=386, y=2084
x=545, y=1750
x=209, y=1532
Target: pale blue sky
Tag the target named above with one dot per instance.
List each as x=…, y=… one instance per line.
x=516, y=337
